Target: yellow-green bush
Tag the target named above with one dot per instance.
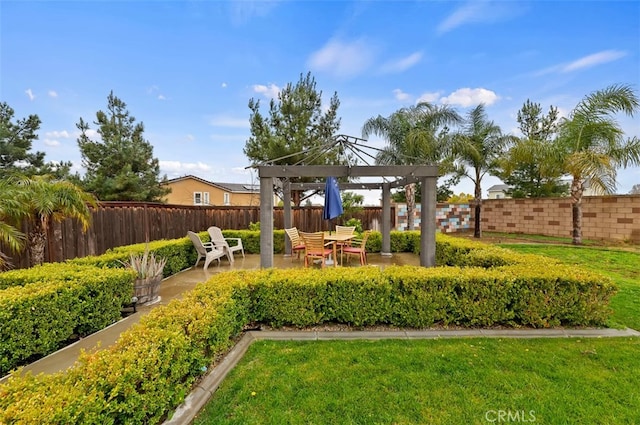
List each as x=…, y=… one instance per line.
x=54, y=303
x=152, y=367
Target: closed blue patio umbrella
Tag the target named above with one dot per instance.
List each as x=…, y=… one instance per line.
x=332, y=200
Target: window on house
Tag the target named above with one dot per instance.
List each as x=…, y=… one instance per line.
x=205, y=198
x=227, y=199
x=197, y=198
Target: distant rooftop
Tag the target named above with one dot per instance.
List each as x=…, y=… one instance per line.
x=229, y=187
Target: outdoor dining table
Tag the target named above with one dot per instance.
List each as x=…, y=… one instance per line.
x=335, y=237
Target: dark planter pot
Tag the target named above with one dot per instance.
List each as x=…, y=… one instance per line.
x=146, y=290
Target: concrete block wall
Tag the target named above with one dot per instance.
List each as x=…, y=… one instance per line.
x=615, y=218
x=603, y=217
x=449, y=217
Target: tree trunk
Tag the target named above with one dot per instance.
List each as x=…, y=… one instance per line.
x=410, y=194
x=576, y=209
x=296, y=197
x=477, y=229
x=37, y=242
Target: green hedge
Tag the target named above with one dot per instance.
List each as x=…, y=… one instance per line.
x=153, y=366
x=56, y=302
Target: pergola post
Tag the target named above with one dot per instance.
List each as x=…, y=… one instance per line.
x=286, y=198
x=386, y=220
x=428, y=222
x=266, y=222
x=427, y=174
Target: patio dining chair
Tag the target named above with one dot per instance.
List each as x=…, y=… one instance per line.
x=205, y=250
x=358, y=247
x=344, y=230
x=316, y=248
x=220, y=242
x=297, y=245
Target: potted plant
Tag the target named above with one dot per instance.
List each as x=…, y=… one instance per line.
x=149, y=270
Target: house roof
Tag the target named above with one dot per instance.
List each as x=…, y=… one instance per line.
x=498, y=188
x=228, y=187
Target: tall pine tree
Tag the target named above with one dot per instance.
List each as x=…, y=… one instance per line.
x=120, y=166
x=297, y=129
x=15, y=143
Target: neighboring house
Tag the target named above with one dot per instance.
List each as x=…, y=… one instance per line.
x=498, y=191
x=192, y=190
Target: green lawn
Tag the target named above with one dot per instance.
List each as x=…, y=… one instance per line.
x=621, y=265
x=462, y=381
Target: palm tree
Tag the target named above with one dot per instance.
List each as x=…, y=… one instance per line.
x=10, y=212
x=593, y=145
x=477, y=148
x=45, y=201
x=414, y=136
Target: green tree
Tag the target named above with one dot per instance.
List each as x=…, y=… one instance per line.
x=443, y=191
x=477, y=148
x=594, y=146
x=351, y=204
x=16, y=140
x=414, y=135
x=531, y=167
x=296, y=130
x=461, y=198
x=41, y=200
x=120, y=166
x=11, y=211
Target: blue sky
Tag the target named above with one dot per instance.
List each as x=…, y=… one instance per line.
x=187, y=69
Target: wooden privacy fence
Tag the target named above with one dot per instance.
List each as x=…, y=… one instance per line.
x=125, y=223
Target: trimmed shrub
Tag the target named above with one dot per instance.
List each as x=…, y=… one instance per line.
x=153, y=366
x=56, y=303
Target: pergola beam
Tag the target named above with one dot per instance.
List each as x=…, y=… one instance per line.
x=427, y=174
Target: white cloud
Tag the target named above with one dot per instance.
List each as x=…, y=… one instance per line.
x=402, y=64
x=178, y=167
x=342, y=59
x=588, y=61
x=401, y=96
x=29, y=93
x=270, y=92
x=480, y=11
x=429, y=97
x=594, y=59
x=227, y=121
x=241, y=170
x=190, y=137
x=52, y=93
x=51, y=142
x=161, y=97
x=470, y=97
x=64, y=134
x=223, y=85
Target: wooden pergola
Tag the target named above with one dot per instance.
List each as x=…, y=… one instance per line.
x=391, y=176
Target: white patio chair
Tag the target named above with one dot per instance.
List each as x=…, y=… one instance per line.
x=205, y=250
x=220, y=242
